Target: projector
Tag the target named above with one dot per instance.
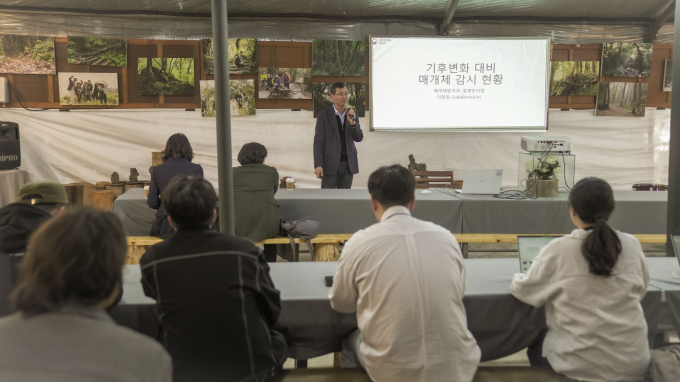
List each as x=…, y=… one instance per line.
x=542, y=143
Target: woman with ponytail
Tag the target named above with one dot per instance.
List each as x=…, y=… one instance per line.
x=591, y=282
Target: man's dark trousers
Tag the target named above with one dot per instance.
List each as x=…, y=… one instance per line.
x=341, y=179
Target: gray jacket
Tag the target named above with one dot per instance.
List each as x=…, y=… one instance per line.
x=327, y=145
x=78, y=345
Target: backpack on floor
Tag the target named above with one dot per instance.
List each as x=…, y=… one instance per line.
x=303, y=229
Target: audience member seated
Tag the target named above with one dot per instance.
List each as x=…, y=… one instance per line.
x=405, y=279
x=61, y=333
x=256, y=213
x=176, y=161
x=591, y=282
x=216, y=300
x=37, y=202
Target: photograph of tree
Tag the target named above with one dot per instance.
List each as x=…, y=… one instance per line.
x=574, y=78
x=286, y=83
x=357, y=98
x=97, y=51
x=166, y=76
x=626, y=59
x=668, y=75
x=338, y=58
x=26, y=54
x=621, y=99
x=100, y=89
x=242, y=101
x=242, y=56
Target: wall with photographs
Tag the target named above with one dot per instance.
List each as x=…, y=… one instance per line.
x=42, y=91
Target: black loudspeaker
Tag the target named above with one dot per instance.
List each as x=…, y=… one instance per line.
x=10, y=149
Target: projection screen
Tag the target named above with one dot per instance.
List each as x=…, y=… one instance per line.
x=459, y=84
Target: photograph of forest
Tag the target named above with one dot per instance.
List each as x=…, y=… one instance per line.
x=621, y=99
x=668, y=75
x=338, y=58
x=626, y=59
x=26, y=54
x=357, y=97
x=242, y=56
x=286, y=83
x=98, y=89
x=97, y=51
x=574, y=78
x=166, y=76
x=242, y=101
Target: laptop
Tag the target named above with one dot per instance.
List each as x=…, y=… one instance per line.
x=482, y=181
x=529, y=247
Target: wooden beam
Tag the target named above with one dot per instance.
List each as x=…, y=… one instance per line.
x=448, y=16
x=658, y=23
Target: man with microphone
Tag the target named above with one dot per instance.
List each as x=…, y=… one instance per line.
x=337, y=128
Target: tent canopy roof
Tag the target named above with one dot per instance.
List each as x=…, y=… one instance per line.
x=431, y=10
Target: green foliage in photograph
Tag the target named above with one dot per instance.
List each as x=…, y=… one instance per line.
x=97, y=51
x=574, y=78
x=357, y=99
x=299, y=87
x=626, y=59
x=242, y=94
x=338, y=58
x=111, y=99
x=166, y=76
x=668, y=76
x=622, y=99
x=242, y=56
x=27, y=54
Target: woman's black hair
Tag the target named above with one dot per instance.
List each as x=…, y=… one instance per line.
x=593, y=201
x=252, y=153
x=178, y=146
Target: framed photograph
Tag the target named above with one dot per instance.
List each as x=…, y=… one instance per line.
x=242, y=56
x=668, y=75
x=94, y=89
x=621, y=99
x=166, y=76
x=242, y=101
x=285, y=83
x=574, y=78
x=626, y=59
x=338, y=58
x=97, y=51
x=27, y=54
x=357, y=97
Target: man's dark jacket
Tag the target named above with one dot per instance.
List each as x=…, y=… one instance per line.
x=328, y=146
x=217, y=305
x=163, y=174
x=17, y=222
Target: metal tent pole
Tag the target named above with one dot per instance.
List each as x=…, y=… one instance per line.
x=225, y=179
x=673, y=214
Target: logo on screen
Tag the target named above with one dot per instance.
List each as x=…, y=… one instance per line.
x=375, y=41
x=5, y=158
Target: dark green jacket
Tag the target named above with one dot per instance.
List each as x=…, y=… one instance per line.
x=256, y=213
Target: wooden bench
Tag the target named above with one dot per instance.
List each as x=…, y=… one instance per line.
x=327, y=246
x=484, y=374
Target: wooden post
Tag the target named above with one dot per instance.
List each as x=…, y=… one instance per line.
x=118, y=189
x=156, y=158
x=80, y=192
x=88, y=189
x=326, y=252
x=102, y=199
x=71, y=192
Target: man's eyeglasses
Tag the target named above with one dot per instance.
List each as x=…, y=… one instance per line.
x=343, y=94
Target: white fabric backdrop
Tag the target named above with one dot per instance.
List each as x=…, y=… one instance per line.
x=84, y=145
